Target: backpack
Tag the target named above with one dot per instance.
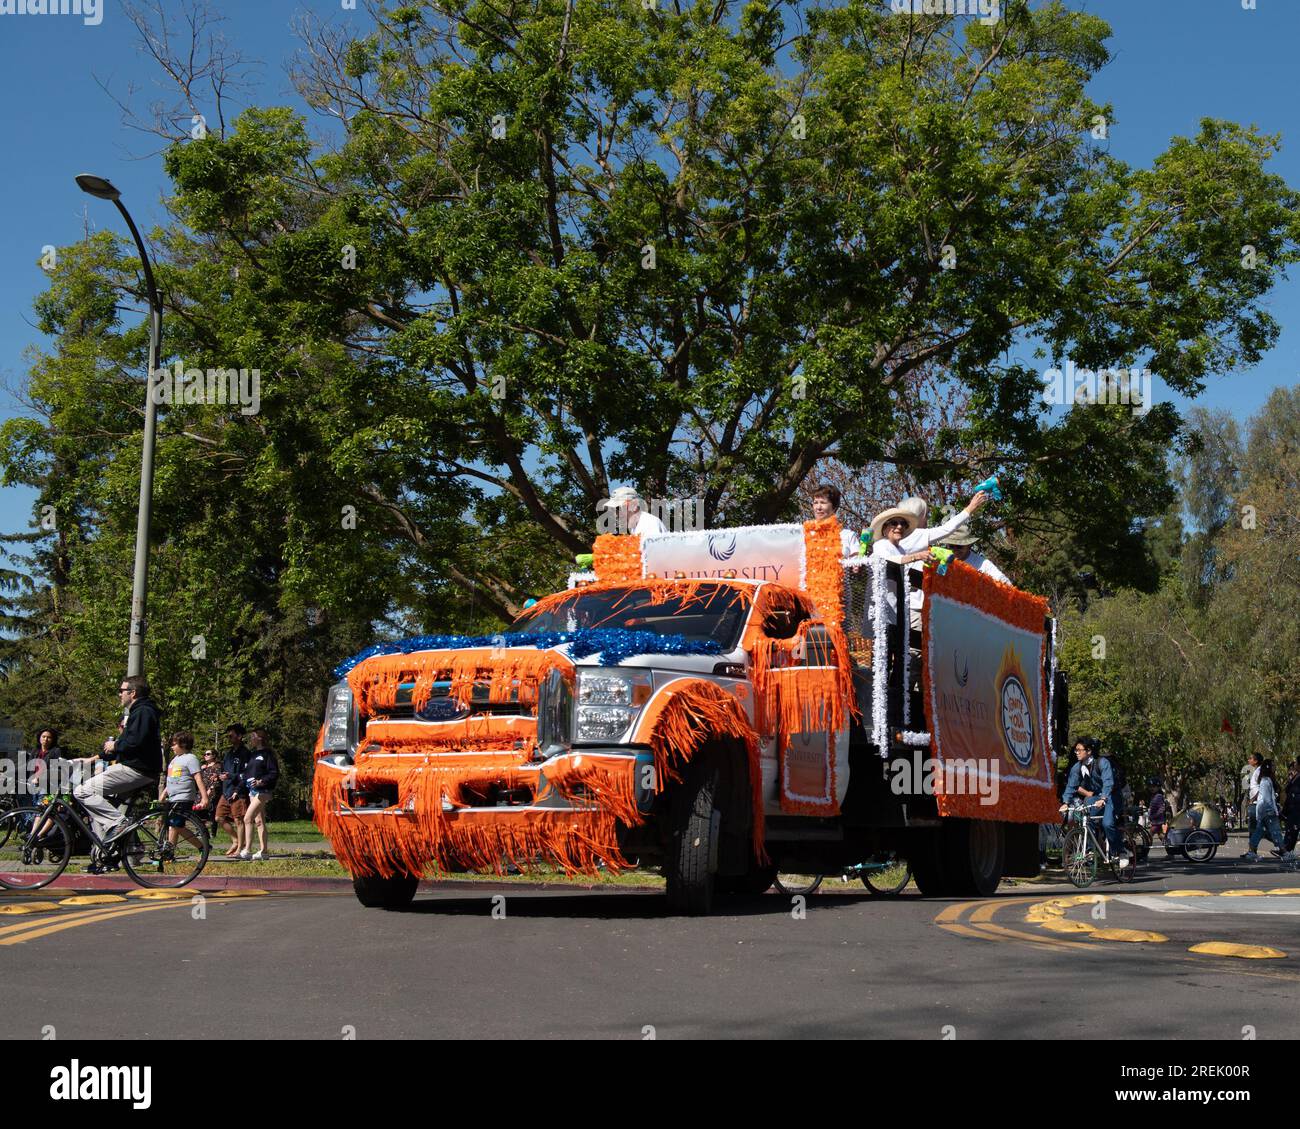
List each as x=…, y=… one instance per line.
x=1119, y=793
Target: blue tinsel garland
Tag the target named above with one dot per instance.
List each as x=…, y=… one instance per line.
x=613, y=644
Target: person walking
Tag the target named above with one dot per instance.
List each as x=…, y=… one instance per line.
x=210, y=773
x=261, y=774
x=233, y=805
x=184, y=785
x=1252, y=791
x=1266, y=809
x=1291, y=807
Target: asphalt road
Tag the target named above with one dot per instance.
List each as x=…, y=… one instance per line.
x=611, y=965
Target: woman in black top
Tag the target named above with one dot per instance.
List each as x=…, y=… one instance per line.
x=261, y=774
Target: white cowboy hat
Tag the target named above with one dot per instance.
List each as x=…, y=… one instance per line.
x=618, y=497
x=878, y=522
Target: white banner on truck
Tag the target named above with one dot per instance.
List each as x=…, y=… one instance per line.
x=759, y=552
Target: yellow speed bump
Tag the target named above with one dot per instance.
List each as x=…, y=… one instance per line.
x=1292, y=890
x=1228, y=949
x=1079, y=900
x=234, y=893
x=29, y=907
x=1188, y=894
x=1062, y=925
x=1242, y=894
x=1128, y=935
x=91, y=900
x=158, y=895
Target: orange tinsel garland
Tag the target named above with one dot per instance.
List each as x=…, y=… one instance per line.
x=823, y=572
x=375, y=681
x=617, y=558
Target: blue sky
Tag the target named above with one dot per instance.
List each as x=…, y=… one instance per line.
x=1175, y=61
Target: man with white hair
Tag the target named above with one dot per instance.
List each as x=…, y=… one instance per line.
x=631, y=518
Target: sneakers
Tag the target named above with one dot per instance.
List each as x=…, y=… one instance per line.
x=245, y=855
x=1125, y=860
x=1250, y=856
x=257, y=856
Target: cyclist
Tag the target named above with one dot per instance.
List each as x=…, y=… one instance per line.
x=136, y=757
x=1092, y=780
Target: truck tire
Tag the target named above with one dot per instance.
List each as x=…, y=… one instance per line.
x=696, y=824
x=926, y=861
x=385, y=893
x=973, y=854
x=757, y=880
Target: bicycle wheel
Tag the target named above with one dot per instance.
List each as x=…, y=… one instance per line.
x=1142, y=838
x=1200, y=846
x=25, y=865
x=792, y=884
x=1078, y=858
x=888, y=874
x=152, y=861
x=1128, y=873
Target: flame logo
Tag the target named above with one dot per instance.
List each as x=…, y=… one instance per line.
x=722, y=547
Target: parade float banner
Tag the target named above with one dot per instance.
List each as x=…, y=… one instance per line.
x=761, y=552
x=983, y=677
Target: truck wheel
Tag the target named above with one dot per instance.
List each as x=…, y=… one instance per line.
x=385, y=893
x=926, y=862
x=696, y=835
x=757, y=880
x=974, y=851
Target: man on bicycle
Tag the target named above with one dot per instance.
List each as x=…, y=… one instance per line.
x=1092, y=780
x=136, y=757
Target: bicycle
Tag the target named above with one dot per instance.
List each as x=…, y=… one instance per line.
x=1082, y=850
x=885, y=875
x=37, y=843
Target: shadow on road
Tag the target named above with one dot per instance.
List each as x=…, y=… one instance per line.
x=630, y=905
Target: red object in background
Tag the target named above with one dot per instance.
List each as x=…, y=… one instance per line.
x=1225, y=726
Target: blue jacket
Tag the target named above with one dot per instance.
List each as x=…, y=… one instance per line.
x=235, y=764
x=1100, y=782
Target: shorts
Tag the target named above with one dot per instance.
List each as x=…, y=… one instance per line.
x=231, y=809
x=176, y=812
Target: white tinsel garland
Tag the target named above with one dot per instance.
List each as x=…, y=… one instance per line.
x=914, y=738
x=1051, y=699
x=905, y=609
x=879, y=655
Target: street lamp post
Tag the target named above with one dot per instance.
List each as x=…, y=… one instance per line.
x=99, y=187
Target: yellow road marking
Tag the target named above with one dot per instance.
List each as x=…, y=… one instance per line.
x=57, y=924
x=953, y=913
x=1292, y=890
x=91, y=900
x=1188, y=894
x=160, y=895
x=1128, y=935
x=29, y=907
x=1064, y=925
x=1228, y=949
x=1042, y=942
x=236, y=894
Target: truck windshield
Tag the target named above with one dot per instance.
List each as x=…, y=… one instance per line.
x=711, y=611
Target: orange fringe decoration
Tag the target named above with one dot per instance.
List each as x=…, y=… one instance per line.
x=608, y=781
x=660, y=591
x=1018, y=801
x=823, y=572
x=617, y=558
x=481, y=732
x=375, y=681
x=695, y=712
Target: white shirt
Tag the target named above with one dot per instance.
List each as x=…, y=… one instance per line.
x=986, y=566
x=850, y=543
x=914, y=542
x=1254, y=786
x=646, y=524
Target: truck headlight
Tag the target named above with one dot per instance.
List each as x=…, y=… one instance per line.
x=340, y=719
x=607, y=702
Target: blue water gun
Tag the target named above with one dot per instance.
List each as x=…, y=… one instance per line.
x=991, y=485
